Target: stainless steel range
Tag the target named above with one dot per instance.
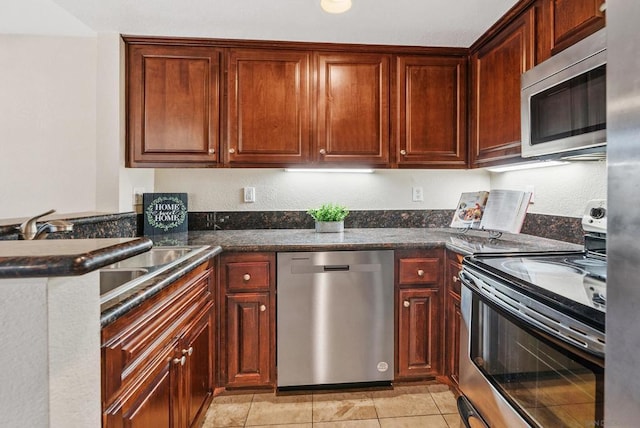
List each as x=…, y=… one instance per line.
x=533, y=334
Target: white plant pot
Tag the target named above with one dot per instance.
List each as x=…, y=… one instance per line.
x=329, y=226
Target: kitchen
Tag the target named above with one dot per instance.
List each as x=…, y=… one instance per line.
x=75, y=107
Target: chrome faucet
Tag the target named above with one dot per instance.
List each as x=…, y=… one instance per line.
x=29, y=229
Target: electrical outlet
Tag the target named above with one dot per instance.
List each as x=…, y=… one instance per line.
x=249, y=194
x=417, y=194
x=137, y=195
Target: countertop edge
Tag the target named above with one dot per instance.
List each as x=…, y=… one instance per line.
x=71, y=264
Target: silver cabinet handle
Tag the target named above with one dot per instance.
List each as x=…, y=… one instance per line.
x=246, y=277
x=406, y=303
x=323, y=152
x=212, y=151
x=420, y=273
x=232, y=151
x=188, y=351
x=403, y=152
x=263, y=308
x=180, y=361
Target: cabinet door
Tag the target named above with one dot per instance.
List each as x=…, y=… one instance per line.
x=495, y=104
x=453, y=320
x=452, y=316
x=172, y=105
x=353, y=109
x=249, y=340
x=573, y=20
x=418, y=333
x=268, y=107
x=198, y=370
x=431, y=111
x=154, y=403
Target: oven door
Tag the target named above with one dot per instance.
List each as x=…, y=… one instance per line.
x=516, y=375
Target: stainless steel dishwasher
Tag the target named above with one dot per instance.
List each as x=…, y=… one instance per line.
x=335, y=318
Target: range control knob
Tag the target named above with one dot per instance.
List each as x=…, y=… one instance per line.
x=598, y=212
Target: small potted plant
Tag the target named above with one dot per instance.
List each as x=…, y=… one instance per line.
x=329, y=217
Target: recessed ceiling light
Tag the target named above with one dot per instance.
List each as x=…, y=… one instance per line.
x=335, y=6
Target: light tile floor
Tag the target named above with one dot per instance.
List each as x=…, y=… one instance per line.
x=428, y=406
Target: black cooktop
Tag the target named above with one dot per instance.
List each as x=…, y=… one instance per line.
x=574, y=283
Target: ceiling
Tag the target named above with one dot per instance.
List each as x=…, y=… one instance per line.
x=397, y=22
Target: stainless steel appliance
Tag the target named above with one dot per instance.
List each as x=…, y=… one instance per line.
x=563, y=103
x=533, y=334
x=335, y=318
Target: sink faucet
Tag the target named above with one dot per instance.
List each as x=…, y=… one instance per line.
x=30, y=230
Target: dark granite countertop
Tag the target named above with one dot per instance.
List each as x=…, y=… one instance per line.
x=375, y=238
x=65, y=257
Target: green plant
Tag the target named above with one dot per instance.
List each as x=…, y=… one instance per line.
x=329, y=212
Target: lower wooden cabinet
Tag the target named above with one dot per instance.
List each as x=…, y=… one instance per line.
x=248, y=340
x=418, y=280
x=419, y=333
x=452, y=317
x=157, y=360
x=247, y=320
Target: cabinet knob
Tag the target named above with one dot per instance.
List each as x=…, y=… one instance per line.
x=420, y=273
x=180, y=361
x=323, y=152
x=188, y=351
x=263, y=308
x=403, y=152
x=232, y=150
x=212, y=151
x=406, y=303
x=246, y=277
x=455, y=278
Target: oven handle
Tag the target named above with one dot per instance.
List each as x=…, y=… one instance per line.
x=467, y=279
x=470, y=417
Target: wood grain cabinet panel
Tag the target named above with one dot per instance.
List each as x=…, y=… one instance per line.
x=268, y=106
x=573, y=20
x=172, y=105
x=248, y=340
x=419, y=326
x=496, y=68
x=453, y=317
x=431, y=111
x=158, y=359
x=247, y=320
x=353, y=109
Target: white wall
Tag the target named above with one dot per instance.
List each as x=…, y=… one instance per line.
x=47, y=124
x=561, y=190
x=221, y=189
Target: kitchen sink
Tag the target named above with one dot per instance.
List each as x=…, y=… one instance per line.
x=153, y=258
x=111, y=279
x=126, y=274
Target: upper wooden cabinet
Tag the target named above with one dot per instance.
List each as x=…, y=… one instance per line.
x=573, y=20
x=268, y=106
x=353, y=109
x=172, y=105
x=431, y=111
x=496, y=67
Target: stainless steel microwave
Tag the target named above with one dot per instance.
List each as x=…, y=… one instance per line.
x=564, y=108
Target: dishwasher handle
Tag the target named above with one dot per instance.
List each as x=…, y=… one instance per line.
x=336, y=268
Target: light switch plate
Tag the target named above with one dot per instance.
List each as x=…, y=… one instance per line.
x=417, y=194
x=249, y=194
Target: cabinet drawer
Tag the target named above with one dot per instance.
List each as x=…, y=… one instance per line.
x=419, y=271
x=247, y=276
